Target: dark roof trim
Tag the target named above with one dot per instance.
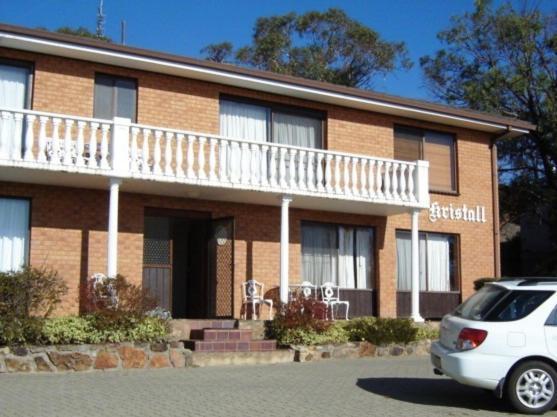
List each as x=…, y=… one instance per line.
x=265, y=75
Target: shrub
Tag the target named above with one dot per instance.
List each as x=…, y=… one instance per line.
x=298, y=336
x=382, y=331
x=30, y=292
x=26, y=298
x=91, y=328
x=480, y=282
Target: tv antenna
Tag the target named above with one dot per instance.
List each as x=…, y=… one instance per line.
x=100, y=20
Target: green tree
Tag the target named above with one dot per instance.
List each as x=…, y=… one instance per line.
x=504, y=60
x=326, y=46
x=79, y=31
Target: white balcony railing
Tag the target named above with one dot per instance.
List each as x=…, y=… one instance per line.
x=118, y=148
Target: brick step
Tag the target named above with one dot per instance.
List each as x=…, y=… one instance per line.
x=181, y=328
x=222, y=335
x=202, y=359
x=231, y=346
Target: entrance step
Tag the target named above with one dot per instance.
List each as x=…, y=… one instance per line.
x=222, y=335
x=201, y=359
x=181, y=328
x=231, y=346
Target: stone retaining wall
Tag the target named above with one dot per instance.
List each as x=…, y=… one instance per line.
x=94, y=357
x=79, y=358
x=358, y=350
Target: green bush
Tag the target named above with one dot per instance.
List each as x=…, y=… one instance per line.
x=334, y=333
x=92, y=329
x=382, y=331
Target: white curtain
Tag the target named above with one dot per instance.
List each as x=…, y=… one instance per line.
x=346, y=257
x=14, y=233
x=241, y=121
x=13, y=83
x=404, y=261
x=319, y=253
x=295, y=130
x=364, y=258
x=438, y=265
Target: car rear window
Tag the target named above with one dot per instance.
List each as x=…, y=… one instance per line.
x=495, y=303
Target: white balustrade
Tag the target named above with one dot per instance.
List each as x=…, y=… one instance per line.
x=52, y=141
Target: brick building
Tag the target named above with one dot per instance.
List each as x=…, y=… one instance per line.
x=191, y=177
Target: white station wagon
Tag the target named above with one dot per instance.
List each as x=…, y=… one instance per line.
x=504, y=338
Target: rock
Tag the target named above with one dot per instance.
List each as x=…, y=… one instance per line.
x=42, y=364
x=132, y=357
x=159, y=347
x=367, y=349
x=18, y=365
x=159, y=361
x=326, y=355
x=176, y=345
x=410, y=349
x=308, y=357
x=178, y=358
x=396, y=350
x=19, y=350
x=106, y=360
x=382, y=351
x=71, y=361
x=2, y=367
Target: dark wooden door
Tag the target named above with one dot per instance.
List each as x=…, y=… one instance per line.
x=221, y=268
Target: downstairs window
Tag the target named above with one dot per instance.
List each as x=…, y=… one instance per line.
x=14, y=233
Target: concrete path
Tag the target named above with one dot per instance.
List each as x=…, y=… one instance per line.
x=357, y=387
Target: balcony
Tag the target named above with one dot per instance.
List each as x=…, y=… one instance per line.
x=158, y=160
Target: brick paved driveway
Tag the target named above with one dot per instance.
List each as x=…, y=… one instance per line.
x=358, y=387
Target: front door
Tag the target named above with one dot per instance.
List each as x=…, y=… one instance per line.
x=188, y=262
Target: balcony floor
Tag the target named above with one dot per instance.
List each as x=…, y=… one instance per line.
x=206, y=192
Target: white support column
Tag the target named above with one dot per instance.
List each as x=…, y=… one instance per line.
x=415, y=314
x=284, y=242
x=112, y=255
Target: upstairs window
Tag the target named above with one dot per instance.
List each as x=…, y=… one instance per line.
x=115, y=97
x=15, y=81
x=436, y=147
x=267, y=123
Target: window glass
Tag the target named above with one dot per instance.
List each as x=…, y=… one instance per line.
x=437, y=148
x=14, y=233
x=339, y=254
x=261, y=123
x=481, y=303
x=439, y=151
x=243, y=121
x=517, y=305
x=13, y=95
x=437, y=262
x=297, y=130
x=115, y=97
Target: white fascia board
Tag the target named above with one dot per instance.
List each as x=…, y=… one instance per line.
x=238, y=80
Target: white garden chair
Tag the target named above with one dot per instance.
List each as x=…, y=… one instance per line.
x=100, y=279
x=330, y=295
x=252, y=293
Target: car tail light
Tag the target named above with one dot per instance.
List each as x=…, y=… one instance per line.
x=470, y=338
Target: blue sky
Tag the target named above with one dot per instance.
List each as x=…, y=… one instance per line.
x=184, y=27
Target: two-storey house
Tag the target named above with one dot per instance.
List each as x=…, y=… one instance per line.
x=190, y=177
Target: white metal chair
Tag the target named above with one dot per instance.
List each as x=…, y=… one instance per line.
x=252, y=292
x=111, y=295
x=330, y=295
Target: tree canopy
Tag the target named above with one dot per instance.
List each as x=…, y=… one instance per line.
x=326, y=46
x=504, y=60
x=80, y=31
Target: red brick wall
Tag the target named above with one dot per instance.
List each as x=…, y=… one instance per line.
x=69, y=226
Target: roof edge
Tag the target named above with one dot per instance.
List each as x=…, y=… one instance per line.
x=443, y=110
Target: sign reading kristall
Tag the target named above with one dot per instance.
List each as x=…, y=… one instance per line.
x=457, y=212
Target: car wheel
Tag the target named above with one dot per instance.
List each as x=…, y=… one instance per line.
x=531, y=387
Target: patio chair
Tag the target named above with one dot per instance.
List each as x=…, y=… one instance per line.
x=252, y=293
x=330, y=295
